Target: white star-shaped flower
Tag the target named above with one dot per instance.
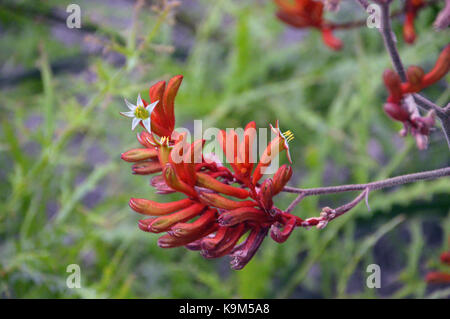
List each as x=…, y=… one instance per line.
x=139, y=113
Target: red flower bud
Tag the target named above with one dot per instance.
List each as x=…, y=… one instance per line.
x=440, y=69
x=396, y=111
x=281, y=177
x=436, y=277
x=219, y=201
x=239, y=215
x=280, y=236
x=393, y=84
x=149, y=207
x=169, y=241
x=243, y=253
x=146, y=168
x=265, y=194
x=174, y=182
x=224, y=246
x=204, y=180
x=139, y=154
x=330, y=40
x=163, y=223
x=198, y=226
x=445, y=258
x=409, y=33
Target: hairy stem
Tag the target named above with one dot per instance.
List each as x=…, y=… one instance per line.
x=390, y=182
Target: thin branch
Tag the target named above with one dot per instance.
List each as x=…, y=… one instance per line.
x=386, y=183
x=329, y=214
x=389, y=41
x=443, y=113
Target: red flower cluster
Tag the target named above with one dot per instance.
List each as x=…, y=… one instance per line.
x=417, y=80
x=224, y=212
x=412, y=8
x=308, y=14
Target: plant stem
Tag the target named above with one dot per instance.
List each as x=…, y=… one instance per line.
x=390, y=182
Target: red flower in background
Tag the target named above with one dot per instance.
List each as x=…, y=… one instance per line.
x=412, y=8
x=439, y=277
x=307, y=14
x=224, y=212
x=417, y=80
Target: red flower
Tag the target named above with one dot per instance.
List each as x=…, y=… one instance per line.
x=412, y=7
x=220, y=206
x=439, y=277
x=307, y=14
x=417, y=80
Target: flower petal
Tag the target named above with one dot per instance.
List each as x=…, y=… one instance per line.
x=135, y=123
x=130, y=106
x=151, y=107
x=139, y=101
x=147, y=124
x=128, y=114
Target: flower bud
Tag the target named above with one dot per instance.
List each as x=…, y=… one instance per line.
x=219, y=201
x=163, y=223
x=139, y=154
x=146, y=168
x=396, y=111
x=393, y=84
x=437, y=277
x=242, y=254
x=152, y=208
x=330, y=40
x=225, y=246
x=242, y=214
x=169, y=241
x=415, y=75
x=190, y=229
x=280, y=236
x=175, y=183
x=265, y=194
x=281, y=177
x=409, y=33
x=440, y=69
x=445, y=258
x=204, y=180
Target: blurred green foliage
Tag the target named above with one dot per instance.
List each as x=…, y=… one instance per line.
x=64, y=190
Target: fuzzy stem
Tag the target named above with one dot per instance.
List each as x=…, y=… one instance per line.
x=390, y=182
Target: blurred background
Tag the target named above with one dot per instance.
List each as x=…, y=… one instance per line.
x=64, y=190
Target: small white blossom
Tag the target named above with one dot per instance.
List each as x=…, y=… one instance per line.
x=139, y=113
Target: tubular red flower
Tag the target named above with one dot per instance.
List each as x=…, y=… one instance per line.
x=243, y=253
x=164, y=223
x=198, y=226
x=281, y=177
x=169, y=241
x=437, y=277
x=204, y=180
x=411, y=10
x=219, y=201
x=225, y=246
x=308, y=13
x=174, y=182
x=139, y=154
x=239, y=215
x=152, y=208
x=146, y=168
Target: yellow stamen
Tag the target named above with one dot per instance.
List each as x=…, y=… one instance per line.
x=141, y=113
x=288, y=135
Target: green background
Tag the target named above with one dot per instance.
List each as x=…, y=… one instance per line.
x=64, y=190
